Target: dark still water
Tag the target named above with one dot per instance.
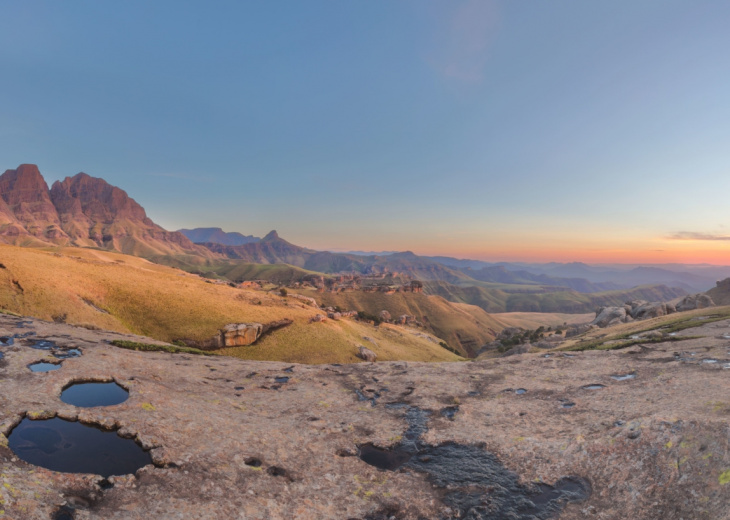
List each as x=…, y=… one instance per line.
x=88, y=395
x=72, y=447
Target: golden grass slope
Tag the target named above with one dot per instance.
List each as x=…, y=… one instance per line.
x=129, y=294
x=462, y=326
x=533, y=320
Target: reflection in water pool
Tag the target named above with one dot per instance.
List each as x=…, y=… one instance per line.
x=88, y=395
x=72, y=447
x=42, y=366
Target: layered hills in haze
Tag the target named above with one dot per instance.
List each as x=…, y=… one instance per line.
x=81, y=211
x=85, y=211
x=218, y=236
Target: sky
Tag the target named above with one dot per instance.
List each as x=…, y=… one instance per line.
x=494, y=130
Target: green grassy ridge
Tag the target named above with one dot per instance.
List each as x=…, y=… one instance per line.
x=681, y=323
x=675, y=323
x=601, y=344
x=570, y=301
x=274, y=273
x=151, y=347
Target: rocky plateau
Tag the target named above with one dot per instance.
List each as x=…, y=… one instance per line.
x=635, y=433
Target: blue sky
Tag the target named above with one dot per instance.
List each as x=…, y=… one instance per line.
x=496, y=130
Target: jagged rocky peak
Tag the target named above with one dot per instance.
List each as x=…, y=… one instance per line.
x=97, y=199
x=24, y=184
x=25, y=194
x=272, y=235
x=81, y=211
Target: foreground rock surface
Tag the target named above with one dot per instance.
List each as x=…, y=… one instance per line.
x=523, y=436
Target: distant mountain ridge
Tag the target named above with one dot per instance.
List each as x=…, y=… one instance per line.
x=81, y=211
x=273, y=249
x=500, y=274
x=216, y=235
x=581, y=276
x=86, y=211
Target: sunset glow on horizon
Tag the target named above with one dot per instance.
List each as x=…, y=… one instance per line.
x=493, y=130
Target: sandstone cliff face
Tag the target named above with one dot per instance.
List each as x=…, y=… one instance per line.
x=25, y=194
x=82, y=211
x=93, y=212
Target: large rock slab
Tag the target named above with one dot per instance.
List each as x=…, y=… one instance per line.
x=607, y=316
x=695, y=301
x=491, y=439
x=240, y=334
x=646, y=310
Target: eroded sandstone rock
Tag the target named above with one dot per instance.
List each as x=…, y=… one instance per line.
x=366, y=354
x=607, y=316
x=240, y=334
x=695, y=301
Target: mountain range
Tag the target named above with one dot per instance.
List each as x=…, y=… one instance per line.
x=692, y=278
x=81, y=211
x=218, y=236
x=85, y=211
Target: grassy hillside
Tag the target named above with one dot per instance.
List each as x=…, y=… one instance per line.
x=129, y=294
x=465, y=327
x=624, y=335
x=533, y=320
x=720, y=294
x=500, y=300
x=274, y=273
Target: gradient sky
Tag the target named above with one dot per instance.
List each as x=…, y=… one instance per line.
x=505, y=130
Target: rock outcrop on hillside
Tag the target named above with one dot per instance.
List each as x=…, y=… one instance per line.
x=632, y=310
x=695, y=301
x=609, y=435
x=607, y=316
x=366, y=354
x=241, y=334
x=720, y=294
x=81, y=211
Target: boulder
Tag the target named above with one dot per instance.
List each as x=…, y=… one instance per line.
x=647, y=310
x=240, y=334
x=318, y=318
x=366, y=354
x=384, y=315
x=607, y=316
x=695, y=301
x=334, y=315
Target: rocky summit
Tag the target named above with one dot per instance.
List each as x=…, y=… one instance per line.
x=81, y=211
x=635, y=433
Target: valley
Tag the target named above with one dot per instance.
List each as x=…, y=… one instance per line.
x=86, y=253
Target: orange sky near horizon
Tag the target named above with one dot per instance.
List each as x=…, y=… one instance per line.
x=651, y=251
